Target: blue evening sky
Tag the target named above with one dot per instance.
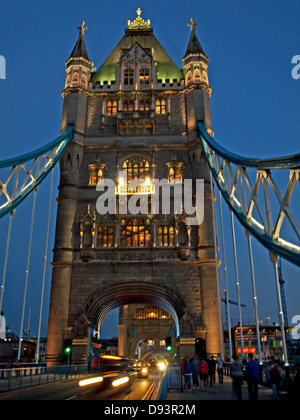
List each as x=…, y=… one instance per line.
x=255, y=109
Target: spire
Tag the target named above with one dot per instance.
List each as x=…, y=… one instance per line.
x=80, y=48
x=194, y=46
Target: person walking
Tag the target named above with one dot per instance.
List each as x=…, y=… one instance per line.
x=252, y=376
x=275, y=376
x=187, y=372
x=237, y=375
x=212, y=370
x=195, y=362
x=203, y=373
x=220, y=366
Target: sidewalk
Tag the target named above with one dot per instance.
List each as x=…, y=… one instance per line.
x=219, y=392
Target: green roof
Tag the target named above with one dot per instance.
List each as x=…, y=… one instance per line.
x=165, y=66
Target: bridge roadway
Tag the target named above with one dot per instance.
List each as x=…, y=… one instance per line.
x=69, y=389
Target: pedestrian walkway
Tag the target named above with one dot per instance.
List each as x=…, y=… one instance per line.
x=219, y=392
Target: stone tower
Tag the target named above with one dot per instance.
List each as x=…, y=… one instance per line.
x=135, y=122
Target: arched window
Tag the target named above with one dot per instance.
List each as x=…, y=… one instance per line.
x=197, y=75
x=84, y=80
x=112, y=107
x=144, y=105
x=165, y=235
x=144, y=76
x=96, y=174
x=105, y=237
x=136, y=167
x=175, y=174
x=189, y=77
x=164, y=314
x=160, y=106
x=128, y=106
x=128, y=77
x=75, y=78
x=135, y=232
x=152, y=312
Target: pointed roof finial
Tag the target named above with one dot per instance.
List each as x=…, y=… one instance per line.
x=82, y=28
x=192, y=25
x=139, y=22
x=80, y=49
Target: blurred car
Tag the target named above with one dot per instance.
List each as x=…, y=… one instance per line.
x=113, y=372
x=141, y=368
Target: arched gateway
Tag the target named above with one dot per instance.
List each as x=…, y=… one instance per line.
x=135, y=123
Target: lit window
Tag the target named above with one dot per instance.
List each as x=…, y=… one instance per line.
x=135, y=232
x=144, y=76
x=128, y=77
x=136, y=167
x=165, y=235
x=96, y=174
x=105, y=237
x=152, y=312
x=144, y=105
x=160, y=106
x=175, y=174
x=112, y=108
x=164, y=314
x=189, y=76
x=140, y=313
x=128, y=106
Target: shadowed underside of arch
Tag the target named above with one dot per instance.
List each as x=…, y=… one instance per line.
x=105, y=300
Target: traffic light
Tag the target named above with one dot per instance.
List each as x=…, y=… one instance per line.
x=67, y=350
x=168, y=343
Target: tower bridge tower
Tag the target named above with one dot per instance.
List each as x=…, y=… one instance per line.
x=137, y=113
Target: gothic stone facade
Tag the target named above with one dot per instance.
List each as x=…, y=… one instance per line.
x=137, y=113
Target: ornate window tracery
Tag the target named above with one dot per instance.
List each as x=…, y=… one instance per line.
x=160, y=106
x=105, y=237
x=136, y=167
x=144, y=76
x=128, y=106
x=165, y=235
x=128, y=77
x=135, y=232
x=112, y=107
x=96, y=173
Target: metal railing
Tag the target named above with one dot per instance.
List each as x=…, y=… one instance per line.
x=17, y=378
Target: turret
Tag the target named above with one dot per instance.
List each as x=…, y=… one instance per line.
x=78, y=65
x=195, y=68
x=78, y=71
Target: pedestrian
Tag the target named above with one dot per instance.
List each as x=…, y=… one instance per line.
x=17, y=369
x=187, y=372
x=237, y=375
x=9, y=366
x=212, y=370
x=275, y=376
x=181, y=364
x=252, y=376
x=220, y=366
x=195, y=362
x=203, y=373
